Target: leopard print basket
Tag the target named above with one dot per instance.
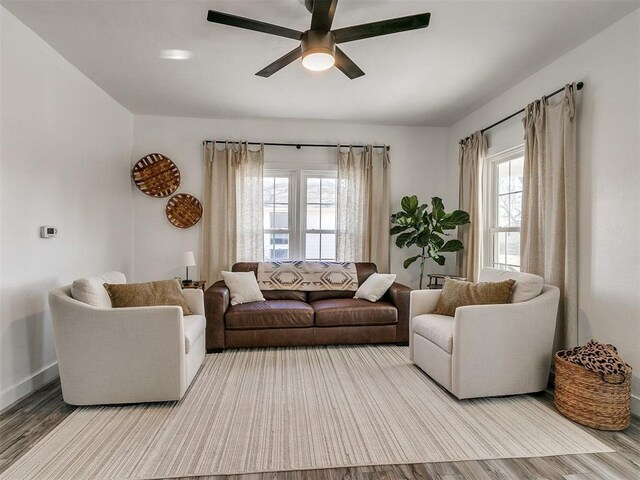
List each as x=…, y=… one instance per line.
x=589, y=396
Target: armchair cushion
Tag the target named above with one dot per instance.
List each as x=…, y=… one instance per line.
x=527, y=285
x=90, y=290
x=459, y=294
x=150, y=294
x=436, y=328
x=194, y=326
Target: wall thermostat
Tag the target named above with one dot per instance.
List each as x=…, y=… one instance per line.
x=47, y=231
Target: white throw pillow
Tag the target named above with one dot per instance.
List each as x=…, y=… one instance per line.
x=375, y=286
x=527, y=285
x=243, y=287
x=90, y=290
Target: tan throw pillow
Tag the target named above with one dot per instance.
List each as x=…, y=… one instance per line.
x=150, y=294
x=459, y=294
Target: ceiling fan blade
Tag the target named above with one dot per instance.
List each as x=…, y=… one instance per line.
x=282, y=62
x=347, y=66
x=322, y=14
x=384, y=27
x=249, y=24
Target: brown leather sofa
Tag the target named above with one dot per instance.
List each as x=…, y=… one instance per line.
x=290, y=318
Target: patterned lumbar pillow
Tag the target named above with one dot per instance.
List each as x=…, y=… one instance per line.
x=243, y=287
x=375, y=286
x=456, y=293
x=150, y=294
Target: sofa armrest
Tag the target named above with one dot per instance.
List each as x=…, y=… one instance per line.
x=423, y=301
x=216, y=303
x=195, y=299
x=399, y=296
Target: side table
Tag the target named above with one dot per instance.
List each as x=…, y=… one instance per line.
x=435, y=277
x=195, y=284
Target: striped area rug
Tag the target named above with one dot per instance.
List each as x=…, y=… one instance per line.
x=301, y=408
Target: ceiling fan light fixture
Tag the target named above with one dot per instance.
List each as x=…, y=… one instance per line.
x=318, y=50
x=318, y=61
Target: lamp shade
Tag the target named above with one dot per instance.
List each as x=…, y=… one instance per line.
x=188, y=260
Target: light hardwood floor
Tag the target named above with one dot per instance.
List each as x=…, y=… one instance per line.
x=27, y=422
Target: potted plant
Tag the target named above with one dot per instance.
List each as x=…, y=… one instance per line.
x=423, y=227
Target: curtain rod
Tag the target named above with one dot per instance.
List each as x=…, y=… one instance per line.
x=298, y=145
x=579, y=86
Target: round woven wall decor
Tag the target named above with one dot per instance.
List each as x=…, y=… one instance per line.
x=183, y=210
x=156, y=175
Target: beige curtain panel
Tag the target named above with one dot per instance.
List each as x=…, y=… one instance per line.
x=233, y=221
x=471, y=156
x=548, y=245
x=363, y=206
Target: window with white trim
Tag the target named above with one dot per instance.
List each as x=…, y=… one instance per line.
x=503, y=184
x=299, y=214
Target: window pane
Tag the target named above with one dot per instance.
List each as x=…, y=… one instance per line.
x=517, y=173
x=280, y=246
x=515, y=209
x=313, y=190
x=268, y=217
x=328, y=190
x=282, y=190
x=281, y=217
x=503, y=177
x=268, y=190
x=513, y=248
x=328, y=217
x=313, y=217
x=503, y=210
x=267, y=246
x=328, y=243
x=499, y=247
x=312, y=246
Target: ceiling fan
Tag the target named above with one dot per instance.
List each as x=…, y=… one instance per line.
x=318, y=45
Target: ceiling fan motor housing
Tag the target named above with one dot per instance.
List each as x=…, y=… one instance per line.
x=318, y=41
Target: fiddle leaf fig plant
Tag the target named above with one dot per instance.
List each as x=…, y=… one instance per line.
x=425, y=226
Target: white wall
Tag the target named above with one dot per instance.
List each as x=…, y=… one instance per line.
x=609, y=176
x=65, y=147
x=418, y=159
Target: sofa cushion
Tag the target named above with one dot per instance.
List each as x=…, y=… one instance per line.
x=243, y=287
x=90, y=290
x=328, y=294
x=375, y=286
x=527, y=285
x=194, y=326
x=284, y=295
x=269, y=314
x=353, y=311
x=437, y=329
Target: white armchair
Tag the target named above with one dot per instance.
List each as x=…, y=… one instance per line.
x=486, y=350
x=126, y=355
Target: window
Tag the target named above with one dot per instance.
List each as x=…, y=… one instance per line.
x=502, y=235
x=320, y=218
x=299, y=215
x=276, y=217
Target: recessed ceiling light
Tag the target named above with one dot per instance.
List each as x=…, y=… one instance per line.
x=174, y=54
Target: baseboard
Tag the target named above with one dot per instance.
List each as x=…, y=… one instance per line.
x=12, y=394
x=635, y=405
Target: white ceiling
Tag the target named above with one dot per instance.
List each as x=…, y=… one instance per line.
x=470, y=53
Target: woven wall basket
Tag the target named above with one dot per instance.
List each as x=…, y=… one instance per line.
x=183, y=210
x=156, y=175
x=592, y=399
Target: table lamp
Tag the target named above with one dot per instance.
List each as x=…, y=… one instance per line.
x=188, y=260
